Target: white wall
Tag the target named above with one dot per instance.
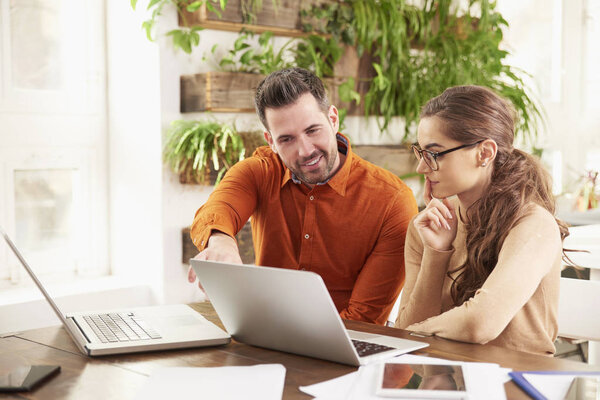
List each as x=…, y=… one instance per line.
x=134, y=127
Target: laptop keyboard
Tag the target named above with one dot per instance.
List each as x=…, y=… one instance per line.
x=366, y=348
x=120, y=327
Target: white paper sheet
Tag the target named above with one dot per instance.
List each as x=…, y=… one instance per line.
x=485, y=381
x=553, y=387
x=264, y=382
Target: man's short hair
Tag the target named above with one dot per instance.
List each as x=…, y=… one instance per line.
x=284, y=87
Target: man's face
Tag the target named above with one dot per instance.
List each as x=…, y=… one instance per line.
x=305, y=138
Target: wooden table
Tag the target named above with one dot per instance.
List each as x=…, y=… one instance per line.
x=122, y=376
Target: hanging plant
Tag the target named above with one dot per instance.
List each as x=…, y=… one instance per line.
x=187, y=37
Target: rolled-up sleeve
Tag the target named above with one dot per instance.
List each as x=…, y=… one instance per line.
x=231, y=203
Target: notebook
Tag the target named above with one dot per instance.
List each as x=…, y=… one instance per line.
x=132, y=330
x=291, y=311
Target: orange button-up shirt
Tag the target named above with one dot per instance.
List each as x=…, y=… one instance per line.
x=350, y=230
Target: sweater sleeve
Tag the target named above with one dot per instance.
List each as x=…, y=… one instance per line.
x=425, y=273
x=527, y=255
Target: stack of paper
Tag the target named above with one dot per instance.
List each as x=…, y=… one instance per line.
x=485, y=381
x=264, y=382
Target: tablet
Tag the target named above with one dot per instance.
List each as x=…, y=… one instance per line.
x=422, y=381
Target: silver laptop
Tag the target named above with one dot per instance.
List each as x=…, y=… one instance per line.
x=291, y=311
x=133, y=330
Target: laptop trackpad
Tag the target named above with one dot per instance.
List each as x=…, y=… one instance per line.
x=378, y=339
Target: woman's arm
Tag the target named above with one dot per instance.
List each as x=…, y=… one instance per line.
x=427, y=250
x=529, y=252
x=425, y=275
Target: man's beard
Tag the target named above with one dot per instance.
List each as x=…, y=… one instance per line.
x=313, y=179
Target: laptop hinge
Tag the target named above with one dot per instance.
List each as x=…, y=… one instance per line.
x=80, y=329
x=74, y=331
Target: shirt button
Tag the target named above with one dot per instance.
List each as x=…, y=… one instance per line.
x=306, y=236
x=312, y=197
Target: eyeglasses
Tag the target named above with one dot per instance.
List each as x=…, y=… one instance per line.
x=431, y=157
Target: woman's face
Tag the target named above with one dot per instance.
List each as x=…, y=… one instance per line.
x=459, y=172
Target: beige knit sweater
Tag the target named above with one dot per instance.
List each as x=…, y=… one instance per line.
x=515, y=308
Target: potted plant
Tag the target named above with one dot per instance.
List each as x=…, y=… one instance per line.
x=232, y=88
x=201, y=151
x=246, y=64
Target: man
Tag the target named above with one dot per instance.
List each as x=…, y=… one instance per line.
x=314, y=204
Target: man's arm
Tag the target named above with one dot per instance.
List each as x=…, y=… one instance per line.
x=382, y=276
x=230, y=204
x=224, y=214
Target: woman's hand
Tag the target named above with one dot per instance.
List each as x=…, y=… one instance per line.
x=437, y=223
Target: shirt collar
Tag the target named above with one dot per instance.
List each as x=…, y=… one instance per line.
x=339, y=180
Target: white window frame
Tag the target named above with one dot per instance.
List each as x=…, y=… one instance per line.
x=91, y=258
x=77, y=139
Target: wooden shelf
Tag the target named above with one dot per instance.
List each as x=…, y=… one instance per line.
x=258, y=29
x=234, y=92
x=218, y=92
x=283, y=21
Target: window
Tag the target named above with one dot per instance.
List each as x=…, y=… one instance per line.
x=53, y=152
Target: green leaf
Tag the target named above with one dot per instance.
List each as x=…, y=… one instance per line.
x=220, y=175
x=211, y=8
x=264, y=38
x=239, y=42
x=194, y=6
x=225, y=61
x=147, y=26
x=133, y=4
x=194, y=38
x=246, y=57
x=347, y=93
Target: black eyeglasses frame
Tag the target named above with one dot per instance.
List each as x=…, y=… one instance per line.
x=419, y=153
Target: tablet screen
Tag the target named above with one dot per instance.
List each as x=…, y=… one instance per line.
x=423, y=377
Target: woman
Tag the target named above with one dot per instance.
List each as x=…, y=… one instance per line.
x=484, y=266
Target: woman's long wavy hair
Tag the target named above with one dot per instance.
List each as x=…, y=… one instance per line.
x=472, y=113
